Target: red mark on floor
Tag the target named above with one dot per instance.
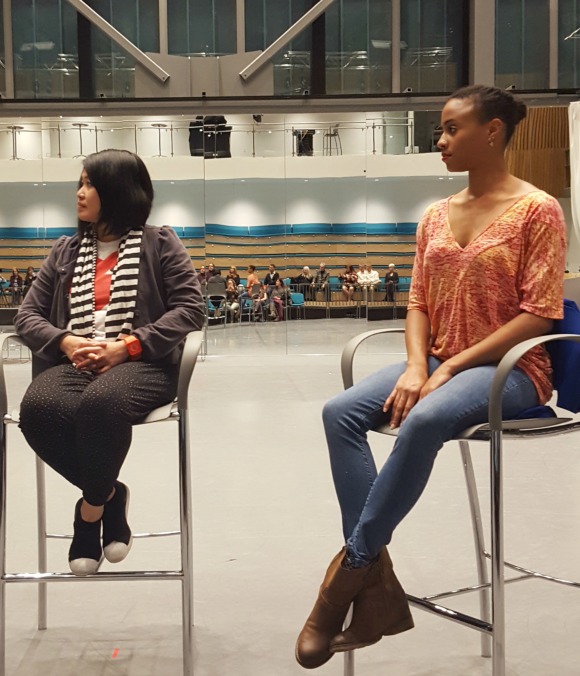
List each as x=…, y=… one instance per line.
x=115, y=653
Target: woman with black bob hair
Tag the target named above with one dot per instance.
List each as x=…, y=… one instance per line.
x=125, y=190
x=105, y=318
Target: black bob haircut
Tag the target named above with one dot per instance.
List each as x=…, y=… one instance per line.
x=124, y=187
x=491, y=102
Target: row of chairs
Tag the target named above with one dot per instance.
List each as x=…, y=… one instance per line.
x=217, y=310
x=10, y=297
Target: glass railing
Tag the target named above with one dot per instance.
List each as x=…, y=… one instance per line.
x=153, y=137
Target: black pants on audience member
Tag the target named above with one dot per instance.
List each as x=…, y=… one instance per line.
x=81, y=424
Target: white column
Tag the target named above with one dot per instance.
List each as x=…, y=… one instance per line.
x=240, y=26
x=482, y=42
x=553, y=45
x=8, y=49
x=396, y=46
x=163, y=30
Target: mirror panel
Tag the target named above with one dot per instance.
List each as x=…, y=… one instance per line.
x=293, y=190
x=326, y=224
x=245, y=223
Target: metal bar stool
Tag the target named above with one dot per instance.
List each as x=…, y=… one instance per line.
x=159, y=126
x=491, y=623
x=15, y=129
x=80, y=126
x=176, y=411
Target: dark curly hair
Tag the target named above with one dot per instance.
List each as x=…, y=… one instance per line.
x=492, y=102
x=124, y=187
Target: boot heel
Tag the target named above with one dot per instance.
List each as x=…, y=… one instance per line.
x=380, y=609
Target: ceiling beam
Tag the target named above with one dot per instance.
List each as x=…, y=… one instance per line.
x=111, y=32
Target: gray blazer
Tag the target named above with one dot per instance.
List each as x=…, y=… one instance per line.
x=169, y=302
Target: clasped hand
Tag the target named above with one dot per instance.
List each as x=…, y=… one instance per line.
x=414, y=385
x=91, y=355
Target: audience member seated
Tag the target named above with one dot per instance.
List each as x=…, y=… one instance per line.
x=232, y=296
x=15, y=286
x=202, y=277
x=279, y=299
x=3, y=287
x=349, y=281
x=212, y=271
x=271, y=276
x=28, y=279
x=361, y=276
x=251, y=281
x=233, y=274
x=303, y=283
x=391, y=283
x=252, y=278
x=373, y=279
x=261, y=301
x=321, y=281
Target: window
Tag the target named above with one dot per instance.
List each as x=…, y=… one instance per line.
x=569, y=43
x=45, y=49
x=434, y=37
x=202, y=27
x=522, y=44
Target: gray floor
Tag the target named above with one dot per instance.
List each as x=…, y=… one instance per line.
x=267, y=523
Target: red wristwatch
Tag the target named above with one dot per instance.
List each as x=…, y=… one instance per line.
x=133, y=347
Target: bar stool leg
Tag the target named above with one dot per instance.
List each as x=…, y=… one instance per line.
x=186, y=543
x=2, y=550
x=41, y=535
x=478, y=541
x=348, y=656
x=497, y=556
x=349, y=663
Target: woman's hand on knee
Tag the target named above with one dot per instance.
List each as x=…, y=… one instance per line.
x=405, y=394
x=439, y=377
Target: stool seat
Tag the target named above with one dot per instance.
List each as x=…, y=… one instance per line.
x=491, y=623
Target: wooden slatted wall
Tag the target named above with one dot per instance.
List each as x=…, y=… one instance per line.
x=537, y=152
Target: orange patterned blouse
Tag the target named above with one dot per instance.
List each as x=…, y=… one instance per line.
x=515, y=265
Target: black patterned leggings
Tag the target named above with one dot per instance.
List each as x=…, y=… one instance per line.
x=81, y=424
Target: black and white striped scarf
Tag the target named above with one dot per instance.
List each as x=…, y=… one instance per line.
x=125, y=276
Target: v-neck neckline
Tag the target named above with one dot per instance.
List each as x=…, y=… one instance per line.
x=488, y=226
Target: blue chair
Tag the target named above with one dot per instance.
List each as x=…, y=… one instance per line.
x=297, y=304
x=491, y=623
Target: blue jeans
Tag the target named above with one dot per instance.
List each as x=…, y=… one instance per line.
x=373, y=504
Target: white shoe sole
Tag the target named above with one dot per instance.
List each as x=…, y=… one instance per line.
x=82, y=567
x=115, y=552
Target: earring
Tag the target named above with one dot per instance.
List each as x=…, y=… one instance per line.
x=490, y=141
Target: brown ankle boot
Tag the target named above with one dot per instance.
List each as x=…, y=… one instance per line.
x=336, y=593
x=380, y=609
